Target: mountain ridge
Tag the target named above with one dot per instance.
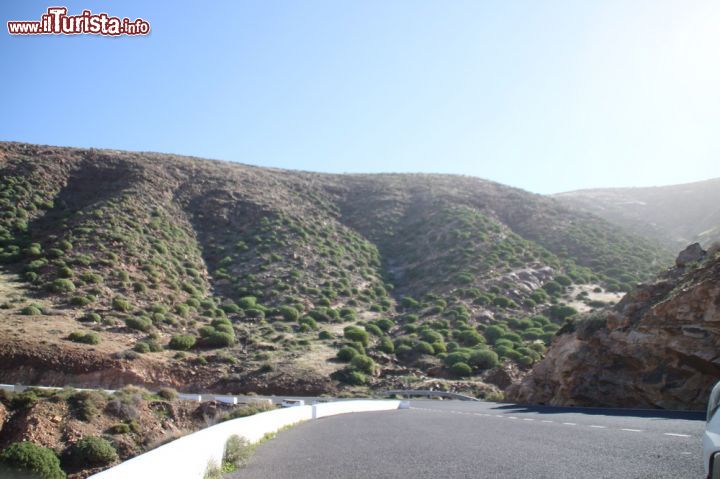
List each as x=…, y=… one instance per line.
x=674, y=215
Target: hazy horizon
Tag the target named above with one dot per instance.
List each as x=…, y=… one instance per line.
x=550, y=97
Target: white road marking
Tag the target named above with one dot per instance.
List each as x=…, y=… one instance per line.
x=547, y=421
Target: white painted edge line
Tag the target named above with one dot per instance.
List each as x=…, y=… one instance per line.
x=630, y=430
x=599, y=427
x=570, y=423
x=674, y=434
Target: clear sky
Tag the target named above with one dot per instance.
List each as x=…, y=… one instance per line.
x=545, y=95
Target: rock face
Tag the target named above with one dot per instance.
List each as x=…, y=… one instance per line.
x=3, y=415
x=657, y=348
x=689, y=255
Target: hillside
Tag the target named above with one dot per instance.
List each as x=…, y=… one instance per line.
x=122, y=267
x=657, y=348
x=672, y=215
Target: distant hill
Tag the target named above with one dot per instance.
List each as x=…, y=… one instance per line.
x=673, y=215
x=121, y=267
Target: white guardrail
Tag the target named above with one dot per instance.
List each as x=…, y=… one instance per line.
x=188, y=457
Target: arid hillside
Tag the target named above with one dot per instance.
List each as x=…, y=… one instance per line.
x=144, y=268
x=672, y=215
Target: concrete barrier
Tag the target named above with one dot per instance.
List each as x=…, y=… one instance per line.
x=343, y=407
x=428, y=394
x=190, y=397
x=189, y=456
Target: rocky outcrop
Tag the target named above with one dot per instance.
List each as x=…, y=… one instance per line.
x=659, y=347
x=689, y=255
x=3, y=415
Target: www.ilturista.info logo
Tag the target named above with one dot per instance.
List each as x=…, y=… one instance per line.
x=57, y=22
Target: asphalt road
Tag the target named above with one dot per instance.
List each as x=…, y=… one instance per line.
x=454, y=439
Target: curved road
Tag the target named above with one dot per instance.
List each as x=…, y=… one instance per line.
x=486, y=440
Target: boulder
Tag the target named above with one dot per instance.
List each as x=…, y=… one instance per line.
x=691, y=254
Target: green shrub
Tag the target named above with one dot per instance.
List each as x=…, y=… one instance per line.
x=169, y=394
x=139, y=323
x=386, y=345
x=456, y=357
x=525, y=361
x=470, y=337
x=121, y=304
x=356, y=378
x=324, y=335
x=30, y=458
x=62, y=285
x=182, y=342
x=86, y=338
x=461, y=370
x=141, y=347
x=430, y=336
x=182, y=310
x=91, y=278
x=289, y=313
x=247, y=302
x=514, y=337
x=553, y=287
x=423, y=347
x=86, y=405
x=439, y=347
x=309, y=322
x=503, y=302
x=493, y=333
x=353, y=333
x=121, y=428
x=374, y=330
x=409, y=303
x=562, y=311
x=363, y=363
x=91, y=318
x=385, y=324
x=80, y=300
x=483, y=359
x=31, y=310
x=92, y=451
x=219, y=339
x=66, y=272
x=346, y=354
x=238, y=452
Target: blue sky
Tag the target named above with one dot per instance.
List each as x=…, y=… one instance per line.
x=544, y=95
